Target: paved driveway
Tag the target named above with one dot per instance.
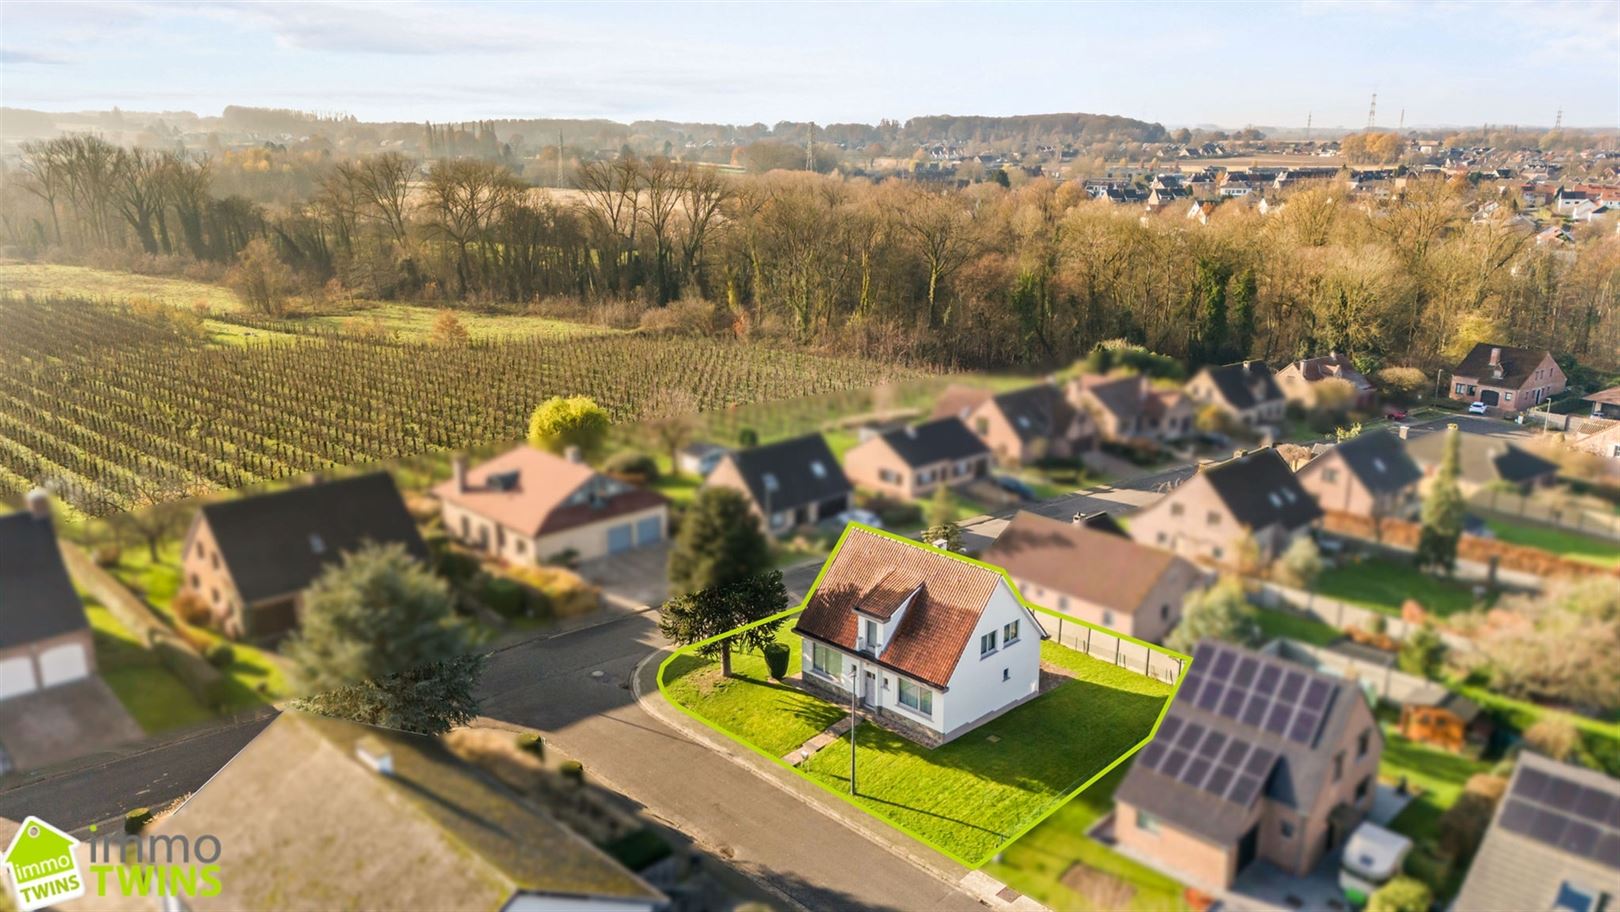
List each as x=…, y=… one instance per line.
x=637, y=577
x=60, y=723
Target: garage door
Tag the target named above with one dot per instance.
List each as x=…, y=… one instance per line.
x=61, y=664
x=16, y=677
x=649, y=530
x=620, y=538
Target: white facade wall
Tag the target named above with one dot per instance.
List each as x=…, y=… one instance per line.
x=977, y=687
x=590, y=541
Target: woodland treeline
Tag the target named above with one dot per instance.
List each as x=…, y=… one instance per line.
x=981, y=277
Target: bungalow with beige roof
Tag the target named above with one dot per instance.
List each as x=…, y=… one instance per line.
x=527, y=506
x=934, y=644
x=1021, y=426
x=1096, y=576
x=909, y=462
x=1301, y=379
x=1208, y=516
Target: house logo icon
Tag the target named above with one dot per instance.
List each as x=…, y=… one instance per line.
x=41, y=865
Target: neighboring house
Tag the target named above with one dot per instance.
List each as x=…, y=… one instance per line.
x=933, y=643
x=1095, y=575
x=45, y=638
x=251, y=558
x=1257, y=759
x=1247, y=391
x=1368, y=475
x=1207, y=516
x=1299, y=380
x=1484, y=462
x=909, y=462
x=700, y=458
x=789, y=483
x=1605, y=403
x=1443, y=718
x=1022, y=426
x=445, y=835
x=528, y=506
x=1128, y=407
x=1554, y=842
x=1600, y=437
x=1507, y=378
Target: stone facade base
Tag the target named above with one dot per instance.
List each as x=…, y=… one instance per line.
x=906, y=727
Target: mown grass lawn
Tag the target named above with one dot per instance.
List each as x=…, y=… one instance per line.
x=1038, y=861
x=1297, y=627
x=967, y=797
x=1383, y=585
x=776, y=718
x=1440, y=776
x=1573, y=545
x=154, y=697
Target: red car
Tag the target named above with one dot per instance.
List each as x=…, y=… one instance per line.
x=1395, y=415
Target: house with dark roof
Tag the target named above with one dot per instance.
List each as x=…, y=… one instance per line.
x=1257, y=759
x=1095, y=575
x=45, y=638
x=1553, y=843
x=527, y=505
x=1605, y=403
x=1300, y=380
x=1208, y=516
x=1020, y=426
x=1368, y=475
x=1507, y=378
x=909, y=462
x=1127, y=407
x=292, y=807
x=251, y=559
x=789, y=483
x=932, y=643
x=1247, y=391
x=1484, y=462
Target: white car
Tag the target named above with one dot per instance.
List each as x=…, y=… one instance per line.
x=1477, y=408
x=864, y=517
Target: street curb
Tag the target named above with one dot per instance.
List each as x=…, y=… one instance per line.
x=948, y=872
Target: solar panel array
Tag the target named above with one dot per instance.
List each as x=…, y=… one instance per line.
x=1230, y=768
x=1560, y=812
x=1259, y=692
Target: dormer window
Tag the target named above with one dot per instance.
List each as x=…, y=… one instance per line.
x=817, y=469
x=317, y=545
x=770, y=482
x=872, y=642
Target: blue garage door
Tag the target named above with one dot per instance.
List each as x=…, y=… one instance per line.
x=620, y=538
x=649, y=530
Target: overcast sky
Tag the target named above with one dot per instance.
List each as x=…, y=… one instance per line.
x=1176, y=63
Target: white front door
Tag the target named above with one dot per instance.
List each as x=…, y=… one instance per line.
x=17, y=677
x=869, y=689
x=61, y=664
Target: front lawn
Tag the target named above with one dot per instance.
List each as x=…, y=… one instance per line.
x=1298, y=627
x=1036, y=864
x=774, y=717
x=1383, y=585
x=966, y=798
x=1572, y=545
x=154, y=697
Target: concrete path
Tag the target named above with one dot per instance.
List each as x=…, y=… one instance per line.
x=808, y=749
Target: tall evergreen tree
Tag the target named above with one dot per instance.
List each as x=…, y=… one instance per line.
x=719, y=543
x=1211, y=319
x=1443, y=510
x=696, y=616
x=1241, y=304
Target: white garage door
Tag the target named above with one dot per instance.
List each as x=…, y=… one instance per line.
x=61, y=664
x=16, y=677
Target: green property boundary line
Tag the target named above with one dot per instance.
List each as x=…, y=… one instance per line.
x=1057, y=804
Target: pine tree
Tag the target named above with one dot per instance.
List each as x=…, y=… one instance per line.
x=1211, y=285
x=1241, y=304
x=1443, y=510
x=719, y=543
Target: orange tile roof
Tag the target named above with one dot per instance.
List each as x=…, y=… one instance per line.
x=537, y=503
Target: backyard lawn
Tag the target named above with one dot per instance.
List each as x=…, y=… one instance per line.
x=154, y=697
x=1440, y=776
x=1275, y=624
x=1383, y=585
x=967, y=797
x=1573, y=545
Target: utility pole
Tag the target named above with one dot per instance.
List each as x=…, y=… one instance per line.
x=1308, y=116
x=810, y=147
x=854, y=723
x=1558, y=122
x=1402, y=127
x=1372, y=111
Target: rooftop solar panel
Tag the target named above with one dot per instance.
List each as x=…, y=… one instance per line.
x=1517, y=816
x=1260, y=761
x=1579, y=837
x=1232, y=703
x=1548, y=826
x=1152, y=755
x=1560, y=811
x=1277, y=721
x=1190, y=736
x=1304, y=728
x=1292, y=685
x=1190, y=687
x=1316, y=695
x=1219, y=779
x=1255, y=712
x=1224, y=662
x=1245, y=790
x=1269, y=676
x=1596, y=806
x=1209, y=696
x=1562, y=794
x=1608, y=851
x=1244, y=676
x=1235, y=752
x=1168, y=729
x=1196, y=771
x=1174, y=764
x=1212, y=744
x=1531, y=784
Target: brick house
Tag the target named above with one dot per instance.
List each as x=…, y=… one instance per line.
x=45, y=638
x=934, y=644
x=1021, y=426
x=1207, y=516
x=1369, y=475
x=1247, y=391
x=527, y=506
x=1128, y=407
x=1298, y=380
x=1094, y=575
x=251, y=558
x=908, y=463
x=1257, y=759
x=1507, y=378
x=789, y=483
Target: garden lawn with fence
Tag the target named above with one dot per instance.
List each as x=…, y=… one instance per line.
x=1573, y=545
x=1383, y=585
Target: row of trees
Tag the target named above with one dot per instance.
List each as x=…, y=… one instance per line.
x=986, y=276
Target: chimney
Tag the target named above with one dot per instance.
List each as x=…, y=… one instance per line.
x=1401, y=430
x=572, y=454
x=374, y=754
x=39, y=505
x=458, y=472
x=1239, y=454
x=1496, y=356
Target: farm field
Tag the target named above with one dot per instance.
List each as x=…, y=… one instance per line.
x=112, y=408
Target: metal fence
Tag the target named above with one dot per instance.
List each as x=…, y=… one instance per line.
x=1574, y=517
x=1115, y=650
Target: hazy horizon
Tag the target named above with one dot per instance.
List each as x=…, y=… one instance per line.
x=1231, y=65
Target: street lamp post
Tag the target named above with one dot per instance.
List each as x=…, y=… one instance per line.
x=854, y=722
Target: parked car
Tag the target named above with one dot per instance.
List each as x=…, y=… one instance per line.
x=1477, y=408
x=1396, y=414
x=1014, y=486
x=864, y=517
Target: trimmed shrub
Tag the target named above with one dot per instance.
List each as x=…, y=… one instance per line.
x=573, y=771
x=632, y=466
x=1403, y=894
x=220, y=655
x=456, y=566
x=503, y=596
x=136, y=820
x=532, y=743
x=107, y=555
x=190, y=607
x=748, y=437
x=776, y=659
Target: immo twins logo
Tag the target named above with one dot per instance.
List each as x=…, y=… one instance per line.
x=42, y=866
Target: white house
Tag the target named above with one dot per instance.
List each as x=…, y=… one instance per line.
x=934, y=644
